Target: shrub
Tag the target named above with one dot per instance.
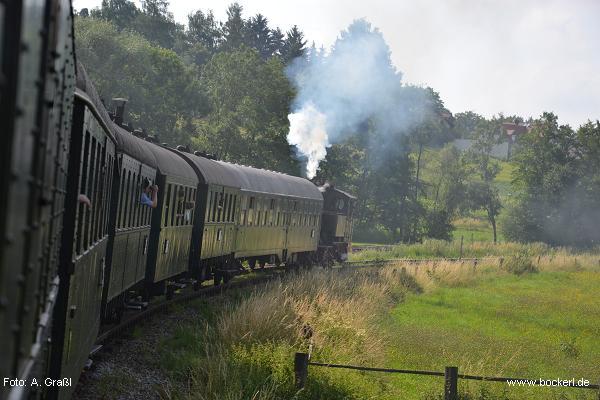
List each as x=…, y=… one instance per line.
x=520, y=263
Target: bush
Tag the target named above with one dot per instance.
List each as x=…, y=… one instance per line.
x=520, y=263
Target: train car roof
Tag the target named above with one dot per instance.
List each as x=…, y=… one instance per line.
x=252, y=179
x=152, y=154
x=134, y=146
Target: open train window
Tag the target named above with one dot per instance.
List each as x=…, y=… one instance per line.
x=221, y=208
x=79, y=241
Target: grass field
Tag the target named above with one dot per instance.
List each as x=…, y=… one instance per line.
x=485, y=320
x=533, y=326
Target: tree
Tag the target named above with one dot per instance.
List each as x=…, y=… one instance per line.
x=156, y=23
x=557, y=177
x=258, y=35
x=120, y=12
x=249, y=100
x=234, y=28
x=482, y=193
x=164, y=93
x=293, y=45
x=203, y=29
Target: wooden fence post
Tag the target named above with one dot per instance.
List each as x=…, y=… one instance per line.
x=301, y=369
x=451, y=383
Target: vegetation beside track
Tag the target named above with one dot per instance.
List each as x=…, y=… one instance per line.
x=488, y=319
x=444, y=249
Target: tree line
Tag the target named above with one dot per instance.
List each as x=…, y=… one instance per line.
x=221, y=87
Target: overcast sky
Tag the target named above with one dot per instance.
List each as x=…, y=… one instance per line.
x=516, y=57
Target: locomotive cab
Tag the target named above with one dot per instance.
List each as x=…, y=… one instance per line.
x=336, y=223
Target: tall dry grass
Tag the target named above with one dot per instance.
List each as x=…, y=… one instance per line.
x=247, y=349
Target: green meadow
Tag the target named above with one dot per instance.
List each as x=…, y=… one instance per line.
x=536, y=326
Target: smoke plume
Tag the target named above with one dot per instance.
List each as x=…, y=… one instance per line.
x=337, y=92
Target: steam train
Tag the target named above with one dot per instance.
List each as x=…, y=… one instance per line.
x=67, y=266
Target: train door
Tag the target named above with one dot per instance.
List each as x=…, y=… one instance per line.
x=83, y=250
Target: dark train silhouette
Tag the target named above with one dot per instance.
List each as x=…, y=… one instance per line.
x=66, y=267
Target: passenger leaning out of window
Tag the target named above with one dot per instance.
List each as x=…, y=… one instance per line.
x=149, y=191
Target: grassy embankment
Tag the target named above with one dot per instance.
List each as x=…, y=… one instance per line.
x=486, y=320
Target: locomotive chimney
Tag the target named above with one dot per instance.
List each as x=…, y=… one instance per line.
x=119, y=104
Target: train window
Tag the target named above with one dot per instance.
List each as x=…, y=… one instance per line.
x=215, y=206
x=87, y=227
x=250, y=217
x=233, y=205
x=189, y=206
x=243, y=218
x=173, y=205
x=295, y=205
x=95, y=234
x=177, y=207
x=208, y=205
x=167, y=205
x=132, y=201
x=272, y=205
x=258, y=215
x=277, y=222
x=184, y=201
x=122, y=197
x=125, y=198
x=81, y=207
x=265, y=217
x=251, y=205
x=219, y=235
x=220, y=207
x=136, y=200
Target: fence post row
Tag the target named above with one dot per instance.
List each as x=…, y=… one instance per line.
x=301, y=369
x=451, y=383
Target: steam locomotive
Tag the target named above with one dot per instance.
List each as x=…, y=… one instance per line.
x=67, y=265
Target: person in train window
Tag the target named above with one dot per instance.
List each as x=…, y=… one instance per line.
x=147, y=191
x=83, y=199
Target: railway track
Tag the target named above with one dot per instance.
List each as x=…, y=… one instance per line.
x=417, y=261
x=131, y=317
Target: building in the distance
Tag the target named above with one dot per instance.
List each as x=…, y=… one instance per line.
x=513, y=131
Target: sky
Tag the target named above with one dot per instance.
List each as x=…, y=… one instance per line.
x=515, y=57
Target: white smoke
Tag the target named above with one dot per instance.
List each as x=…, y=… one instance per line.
x=309, y=134
x=337, y=92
